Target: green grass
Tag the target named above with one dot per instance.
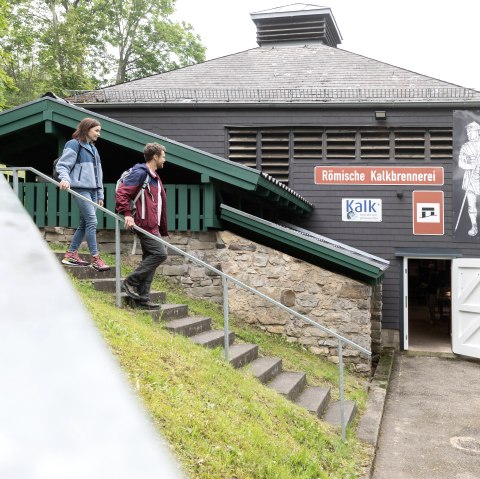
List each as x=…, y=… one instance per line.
x=221, y=422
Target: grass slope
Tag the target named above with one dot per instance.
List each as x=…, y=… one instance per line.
x=221, y=422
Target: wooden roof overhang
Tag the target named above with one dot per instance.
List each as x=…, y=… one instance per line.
x=26, y=136
x=315, y=249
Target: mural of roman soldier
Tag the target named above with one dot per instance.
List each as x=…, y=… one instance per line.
x=469, y=160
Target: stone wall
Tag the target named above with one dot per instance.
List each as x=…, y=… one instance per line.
x=376, y=321
x=344, y=305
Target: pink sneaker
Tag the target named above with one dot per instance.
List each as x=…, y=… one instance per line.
x=98, y=264
x=72, y=259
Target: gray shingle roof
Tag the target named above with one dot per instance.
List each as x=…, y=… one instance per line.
x=292, y=9
x=313, y=73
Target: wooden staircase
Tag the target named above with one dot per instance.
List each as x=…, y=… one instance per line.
x=268, y=370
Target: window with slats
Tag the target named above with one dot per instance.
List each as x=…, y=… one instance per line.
x=441, y=147
x=410, y=144
x=275, y=153
x=375, y=145
x=341, y=145
x=308, y=144
x=272, y=149
x=242, y=147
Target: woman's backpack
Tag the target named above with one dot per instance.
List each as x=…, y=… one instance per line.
x=54, y=172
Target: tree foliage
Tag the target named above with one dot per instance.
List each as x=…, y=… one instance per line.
x=65, y=45
x=146, y=40
x=6, y=82
x=46, y=48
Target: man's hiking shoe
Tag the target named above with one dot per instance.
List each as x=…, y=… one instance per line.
x=131, y=291
x=98, y=264
x=72, y=259
x=146, y=305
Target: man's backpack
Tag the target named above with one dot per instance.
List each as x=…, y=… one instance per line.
x=54, y=172
x=133, y=202
x=141, y=193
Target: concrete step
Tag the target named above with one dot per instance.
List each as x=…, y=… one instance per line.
x=189, y=326
x=158, y=296
x=332, y=415
x=314, y=399
x=266, y=368
x=155, y=297
x=289, y=384
x=86, y=272
x=108, y=285
x=167, y=312
x=212, y=339
x=241, y=354
x=140, y=308
x=105, y=280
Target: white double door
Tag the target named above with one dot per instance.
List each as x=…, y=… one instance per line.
x=465, y=306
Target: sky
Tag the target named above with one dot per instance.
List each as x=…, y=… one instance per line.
x=437, y=38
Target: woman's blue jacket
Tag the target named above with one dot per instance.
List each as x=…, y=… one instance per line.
x=86, y=172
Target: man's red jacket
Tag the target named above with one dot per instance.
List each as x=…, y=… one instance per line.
x=154, y=221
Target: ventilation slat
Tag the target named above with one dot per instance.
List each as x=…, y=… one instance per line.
x=272, y=153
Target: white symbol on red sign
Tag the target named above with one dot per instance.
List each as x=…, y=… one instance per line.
x=428, y=212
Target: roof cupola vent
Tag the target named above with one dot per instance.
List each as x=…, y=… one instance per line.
x=297, y=23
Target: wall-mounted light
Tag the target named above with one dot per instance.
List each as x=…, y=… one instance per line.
x=380, y=115
x=399, y=194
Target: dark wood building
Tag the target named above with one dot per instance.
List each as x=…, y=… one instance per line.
x=299, y=104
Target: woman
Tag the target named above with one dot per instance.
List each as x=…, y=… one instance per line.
x=79, y=168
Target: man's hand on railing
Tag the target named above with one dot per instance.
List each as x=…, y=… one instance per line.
x=64, y=185
x=129, y=222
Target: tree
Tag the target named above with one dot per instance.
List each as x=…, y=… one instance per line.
x=65, y=45
x=47, y=48
x=146, y=40
x=6, y=82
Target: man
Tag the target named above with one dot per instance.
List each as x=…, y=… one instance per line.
x=469, y=160
x=150, y=214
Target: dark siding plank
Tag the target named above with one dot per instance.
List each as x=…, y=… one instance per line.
x=170, y=191
x=182, y=207
x=40, y=204
x=194, y=207
x=52, y=205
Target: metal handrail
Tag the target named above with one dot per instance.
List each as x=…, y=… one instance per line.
x=225, y=279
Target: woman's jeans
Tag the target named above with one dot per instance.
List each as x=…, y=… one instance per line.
x=87, y=229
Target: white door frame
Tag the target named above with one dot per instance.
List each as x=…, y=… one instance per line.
x=405, y=290
x=405, y=302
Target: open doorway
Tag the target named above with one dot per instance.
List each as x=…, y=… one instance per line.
x=429, y=304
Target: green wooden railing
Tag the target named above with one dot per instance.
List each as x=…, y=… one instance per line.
x=48, y=206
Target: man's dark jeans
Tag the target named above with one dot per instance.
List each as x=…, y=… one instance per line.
x=153, y=255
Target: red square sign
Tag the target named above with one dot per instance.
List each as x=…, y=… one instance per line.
x=427, y=212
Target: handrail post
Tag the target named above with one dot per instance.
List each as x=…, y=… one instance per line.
x=226, y=334
x=118, y=298
x=15, y=182
x=342, y=396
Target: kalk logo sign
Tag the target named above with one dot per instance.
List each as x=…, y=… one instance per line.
x=361, y=209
